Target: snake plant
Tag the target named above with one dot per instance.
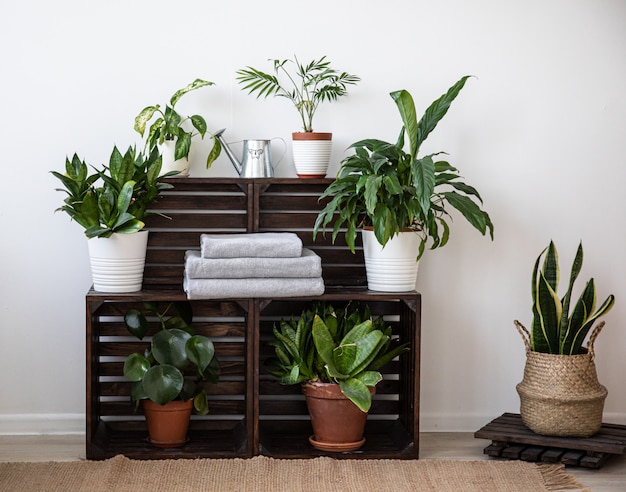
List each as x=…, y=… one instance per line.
x=554, y=329
x=384, y=186
x=346, y=347
x=113, y=199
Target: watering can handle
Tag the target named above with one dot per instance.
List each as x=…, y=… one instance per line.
x=284, y=150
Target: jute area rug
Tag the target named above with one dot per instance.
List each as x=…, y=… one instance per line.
x=120, y=474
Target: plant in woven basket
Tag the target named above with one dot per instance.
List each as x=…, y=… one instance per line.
x=554, y=329
x=560, y=394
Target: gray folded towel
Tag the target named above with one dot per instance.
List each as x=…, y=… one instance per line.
x=307, y=265
x=259, y=244
x=238, y=288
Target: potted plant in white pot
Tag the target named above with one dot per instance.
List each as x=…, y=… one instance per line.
x=169, y=134
x=335, y=356
x=161, y=376
x=306, y=87
x=110, y=204
x=396, y=197
x=560, y=394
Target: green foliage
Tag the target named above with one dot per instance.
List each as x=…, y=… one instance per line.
x=114, y=198
x=306, y=87
x=383, y=186
x=169, y=125
x=160, y=373
x=346, y=347
x=554, y=329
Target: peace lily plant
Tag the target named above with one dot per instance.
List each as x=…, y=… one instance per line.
x=390, y=188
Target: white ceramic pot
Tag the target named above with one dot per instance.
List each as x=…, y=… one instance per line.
x=392, y=268
x=311, y=153
x=167, y=149
x=117, y=262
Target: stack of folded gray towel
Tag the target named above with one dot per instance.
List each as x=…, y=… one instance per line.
x=268, y=264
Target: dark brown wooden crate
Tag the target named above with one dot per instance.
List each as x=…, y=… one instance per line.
x=246, y=400
x=513, y=440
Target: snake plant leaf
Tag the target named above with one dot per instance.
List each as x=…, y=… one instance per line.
x=550, y=268
x=163, y=383
x=370, y=378
x=325, y=346
x=549, y=315
x=136, y=323
x=196, y=84
x=576, y=267
x=125, y=196
x=367, y=348
x=357, y=332
x=168, y=347
x=135, y=367
x=357, y=392
x=141, y=120
x=344, y=357
x=200, y=351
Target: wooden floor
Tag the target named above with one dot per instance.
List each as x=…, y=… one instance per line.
x=434, y=445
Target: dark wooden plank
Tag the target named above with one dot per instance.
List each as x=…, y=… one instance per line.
x=532, y=453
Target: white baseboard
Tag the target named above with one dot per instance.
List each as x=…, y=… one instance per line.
x=38, y=424
x=74, y=423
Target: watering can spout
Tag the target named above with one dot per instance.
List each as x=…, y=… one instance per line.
x=231, y=155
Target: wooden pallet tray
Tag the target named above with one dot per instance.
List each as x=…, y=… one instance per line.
x=511, y=439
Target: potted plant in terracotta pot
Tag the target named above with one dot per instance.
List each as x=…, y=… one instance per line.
x=161, y=375
x=336, y=357
x=110, y=204
x=306, y=86
x=169, y=133
x=399, y=200
x=560, y=394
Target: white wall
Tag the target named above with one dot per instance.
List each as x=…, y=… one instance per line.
x=539, y=132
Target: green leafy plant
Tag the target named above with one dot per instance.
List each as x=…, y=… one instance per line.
x=554, y=329
x=383, y=186
x=159, y=374
x=346, y=347
x=114, y=198
x=306, y=87
x=169, y=125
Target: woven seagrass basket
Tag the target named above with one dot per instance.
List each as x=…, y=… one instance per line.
x=560, y=394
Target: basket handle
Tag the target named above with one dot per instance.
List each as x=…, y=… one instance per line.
x=521, y=329
x=592, y=339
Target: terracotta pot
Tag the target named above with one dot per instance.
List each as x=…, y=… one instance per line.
x=338, y=423
x=168, y=424
x=311, y=153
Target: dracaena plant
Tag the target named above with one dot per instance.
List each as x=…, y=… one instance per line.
x=163, y=372
x=306, y=86
x=390, y=188
x=170, y=125
x=347, y=347
x=115, y=198
x=555, y=329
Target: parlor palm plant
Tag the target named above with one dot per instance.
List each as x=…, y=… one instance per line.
x=306, y=85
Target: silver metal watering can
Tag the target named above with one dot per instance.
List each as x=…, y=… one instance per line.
x=256, y=161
